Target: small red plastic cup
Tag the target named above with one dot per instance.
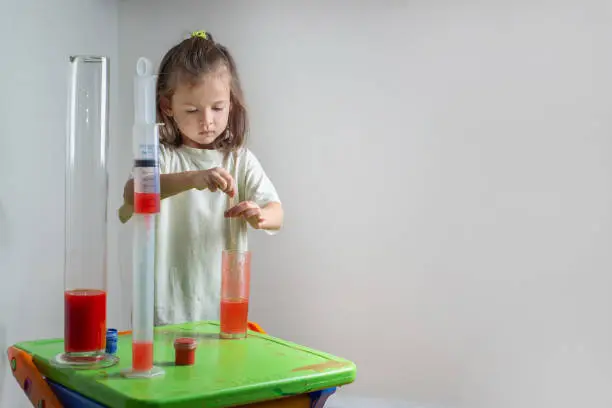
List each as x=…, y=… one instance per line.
x=184, y=351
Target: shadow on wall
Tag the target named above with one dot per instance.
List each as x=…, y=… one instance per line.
x=340, y=400
x=4, y=227
x=4, y=366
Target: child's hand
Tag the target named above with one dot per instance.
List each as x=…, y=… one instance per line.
x=249, y=211
x=214, y=179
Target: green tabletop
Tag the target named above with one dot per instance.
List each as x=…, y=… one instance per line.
x=226, y=372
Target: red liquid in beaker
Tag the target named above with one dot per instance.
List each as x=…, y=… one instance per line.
x=146, y=203
x=234, y=315
x=142, y=356
x=84, y=320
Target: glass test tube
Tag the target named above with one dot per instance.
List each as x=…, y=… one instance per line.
x=86, y=206
x=235, y=291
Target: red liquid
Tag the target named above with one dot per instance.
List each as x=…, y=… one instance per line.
x=184, y=357
x=146, y=203
x=84, y=320
x=184, y=351
x=184, y=354
x=234, y=315
x=142, y=356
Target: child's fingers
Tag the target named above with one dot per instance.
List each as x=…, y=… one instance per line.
x=231, y=191
x=226, y=181
x=238, y=209
x=217, y=182
x=251, y=212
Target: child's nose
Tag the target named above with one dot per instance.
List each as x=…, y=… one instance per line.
x=207, y=117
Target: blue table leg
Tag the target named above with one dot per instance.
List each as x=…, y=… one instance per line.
x=319, y=398
x=71, y=399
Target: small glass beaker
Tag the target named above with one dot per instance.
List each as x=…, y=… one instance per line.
x=235, y=288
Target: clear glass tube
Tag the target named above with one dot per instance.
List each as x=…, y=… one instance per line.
x=146, y=207
x=86, y=223
x=143, y=275
x=235, y=293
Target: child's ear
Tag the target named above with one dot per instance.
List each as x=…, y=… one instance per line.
x=164, y=106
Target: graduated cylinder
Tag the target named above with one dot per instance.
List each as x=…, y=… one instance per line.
x=86, y=208
x=146, y=206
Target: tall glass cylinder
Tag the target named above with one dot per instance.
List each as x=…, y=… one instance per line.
x=146, y=208
x=86, y=221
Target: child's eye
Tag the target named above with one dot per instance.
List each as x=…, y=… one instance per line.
x=192, y=110
x=218, y=109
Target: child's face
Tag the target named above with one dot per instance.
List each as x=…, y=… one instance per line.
x=201, y=111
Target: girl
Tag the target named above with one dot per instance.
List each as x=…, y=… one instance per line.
x=203, y=165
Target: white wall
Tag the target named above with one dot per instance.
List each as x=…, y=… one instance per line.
x=36, y=38
x=446, y=173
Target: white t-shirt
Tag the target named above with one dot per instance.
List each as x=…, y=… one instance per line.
x=192, y=232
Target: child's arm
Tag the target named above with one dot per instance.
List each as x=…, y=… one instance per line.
x=170, y=184
x=175, y=183
x=273, y=215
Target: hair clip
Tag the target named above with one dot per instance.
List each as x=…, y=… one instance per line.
x=200, y=33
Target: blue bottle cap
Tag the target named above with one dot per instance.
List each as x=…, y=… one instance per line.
x=111, y=341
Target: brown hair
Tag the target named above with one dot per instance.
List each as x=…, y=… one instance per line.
x=187, y=62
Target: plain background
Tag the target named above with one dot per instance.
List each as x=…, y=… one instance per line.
x=444, y=167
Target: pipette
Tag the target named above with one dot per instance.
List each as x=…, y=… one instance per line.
x=146, y=206
x=236, y=227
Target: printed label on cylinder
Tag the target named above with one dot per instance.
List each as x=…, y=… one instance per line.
x=146, y=187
